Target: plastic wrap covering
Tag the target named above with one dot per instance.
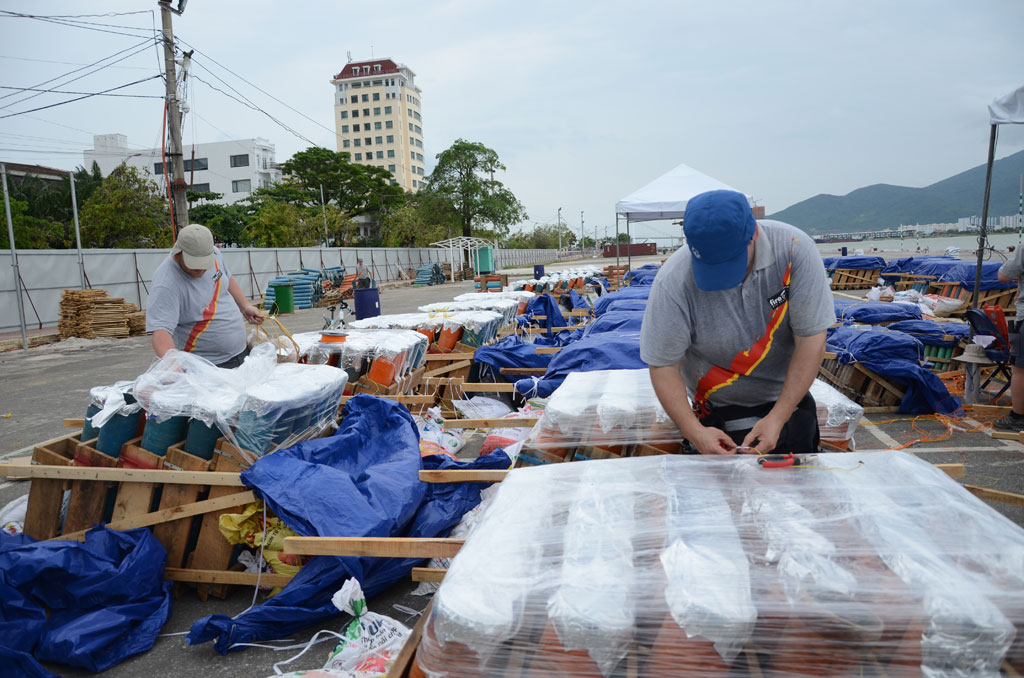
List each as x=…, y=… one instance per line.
x=400, y=351
x=476, y=326
x=838, y=416
x=112, y=400
x=506, y=307
x=571, y=277
x=610, y=409
x=518, y=295
x=256, y=406
x=872, y=564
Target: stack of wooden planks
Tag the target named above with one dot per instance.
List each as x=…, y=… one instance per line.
x=136, y=322
x=91, y=313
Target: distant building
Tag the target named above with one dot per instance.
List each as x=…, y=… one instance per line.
x=232, y=168
x=377, y=118
x=16, y=173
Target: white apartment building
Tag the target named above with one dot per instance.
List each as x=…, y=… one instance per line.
x=377, y=119
x=231, y=168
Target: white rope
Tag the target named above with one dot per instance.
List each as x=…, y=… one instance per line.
x=311, y=643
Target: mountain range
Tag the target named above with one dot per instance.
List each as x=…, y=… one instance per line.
x=881, y=206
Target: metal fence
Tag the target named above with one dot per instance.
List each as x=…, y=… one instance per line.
x=45, y=274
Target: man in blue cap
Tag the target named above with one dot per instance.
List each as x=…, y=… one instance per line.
x=736, y=321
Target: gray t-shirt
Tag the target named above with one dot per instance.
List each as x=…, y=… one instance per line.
x=201, y=322
x=699, y=329
x=1014, y=269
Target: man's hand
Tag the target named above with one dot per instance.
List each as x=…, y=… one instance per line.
x=765, y=434
x=251, y=314
x=711, y=440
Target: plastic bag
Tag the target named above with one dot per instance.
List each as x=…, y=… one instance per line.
x=250, y=529
x=372, y=641
x=881, y=294
x=12, y=516
x=435, y=438
x=506, y=437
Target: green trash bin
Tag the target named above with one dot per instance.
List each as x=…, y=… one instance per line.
x=284, y=297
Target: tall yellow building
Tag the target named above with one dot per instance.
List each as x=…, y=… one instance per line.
x=377, y=117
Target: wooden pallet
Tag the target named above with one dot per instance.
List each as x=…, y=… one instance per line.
x=1005, y=299
x=860, y=384
x=854, y=278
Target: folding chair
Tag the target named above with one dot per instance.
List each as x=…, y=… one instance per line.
x=998, y=351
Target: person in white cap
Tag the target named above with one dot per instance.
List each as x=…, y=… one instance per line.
x=195, y=305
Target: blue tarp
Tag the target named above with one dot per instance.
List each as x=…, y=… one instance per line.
x=931, y=332
x=361, y=482
x=511, y=352
x=578, y=302
x=965, y=273
x=874, y=311
x=896, y=356
x=90, y=605
x=615, y=321
x=545, y=305
x=860, y=263
x=643, y=275
x=608, y=351
x=601, y=305
x=627, y=305
x=917, y=266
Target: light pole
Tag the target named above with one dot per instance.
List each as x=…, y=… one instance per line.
x=558, y=228
x=581, y=234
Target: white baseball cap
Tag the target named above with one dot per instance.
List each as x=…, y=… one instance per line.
x=195, y=242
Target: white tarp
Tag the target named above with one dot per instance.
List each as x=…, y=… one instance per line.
x=666, y=196
x=1008, y=109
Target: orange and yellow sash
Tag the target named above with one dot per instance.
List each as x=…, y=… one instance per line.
x=745, y=361
x=208, y=314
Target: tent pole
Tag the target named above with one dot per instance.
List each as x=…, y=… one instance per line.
x=984, y=214
x=616, y=240
x=14, y=260
x=629, y=246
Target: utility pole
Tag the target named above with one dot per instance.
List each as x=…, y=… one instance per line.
x=559, y=229
x=179, y=218
x=323, y=207
x=581, y=233
x=78, y=232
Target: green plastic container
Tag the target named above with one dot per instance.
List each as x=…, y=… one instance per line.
x=485, y=258
x=284, y=297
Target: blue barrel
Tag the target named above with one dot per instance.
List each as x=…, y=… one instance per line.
x=88, y=430
x=254, y=432
x=843, y=251
x=538, y=271
x=201, y=439
x=367, y=303
x=118, y=430
x=159, y=435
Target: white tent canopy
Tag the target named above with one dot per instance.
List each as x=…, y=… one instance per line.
x=666, y=196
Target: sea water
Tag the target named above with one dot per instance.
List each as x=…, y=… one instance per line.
x=967, y=242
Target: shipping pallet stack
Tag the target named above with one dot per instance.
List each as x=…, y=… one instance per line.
x=615, y=275
x=855, y=278
x=860, y=384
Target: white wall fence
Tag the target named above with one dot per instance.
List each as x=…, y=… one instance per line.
x=45, y=274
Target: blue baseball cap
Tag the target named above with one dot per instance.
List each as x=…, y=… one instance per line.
x=718, y=226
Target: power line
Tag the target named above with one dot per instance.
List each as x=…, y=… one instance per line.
x=198, y=51
x=88, y=25
x=64, y=91
x=85, y=16
x=67, y=63
x=248, y=103
x=61, y=103
x=144, y=44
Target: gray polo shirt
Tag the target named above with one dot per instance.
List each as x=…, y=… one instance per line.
x=1014, y=268
x=186, y=307
x=684, y=324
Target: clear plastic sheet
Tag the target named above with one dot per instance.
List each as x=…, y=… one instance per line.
x=488, y=302
x=838, y=416
x=256, y=406
x=112, y=400
x=474, y=328
x=874, y=564
x=611, y=409
x=518, y=295
x=405, y=350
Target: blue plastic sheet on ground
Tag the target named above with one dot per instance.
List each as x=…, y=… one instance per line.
x=361, y=482
x=609, y=351
x=931, y=333
x=874, y=311
x=860, y=263
x=543, y=305
x=918, y=266
x=615, y=321
x=965, y=273
x=601, y=305
x=510, y=352
x=577, y=301
x=895, y=356
x=90, y=605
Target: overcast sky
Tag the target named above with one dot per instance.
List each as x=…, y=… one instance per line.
x=583, y=101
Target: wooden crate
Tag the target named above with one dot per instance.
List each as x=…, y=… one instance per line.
x=855, y=279
x=861, y=384
x=1005, y=299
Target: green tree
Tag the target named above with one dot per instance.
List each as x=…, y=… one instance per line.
x=464, y=176
x=127, y=210
x=29, y=232
x=425, y=218
x=355, y=189
x=274, y=225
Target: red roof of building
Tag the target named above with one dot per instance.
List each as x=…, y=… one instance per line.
x=386, y=66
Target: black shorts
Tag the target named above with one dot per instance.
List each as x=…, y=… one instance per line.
x=799, y=435
x=232, y=363
x=1017, y=342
